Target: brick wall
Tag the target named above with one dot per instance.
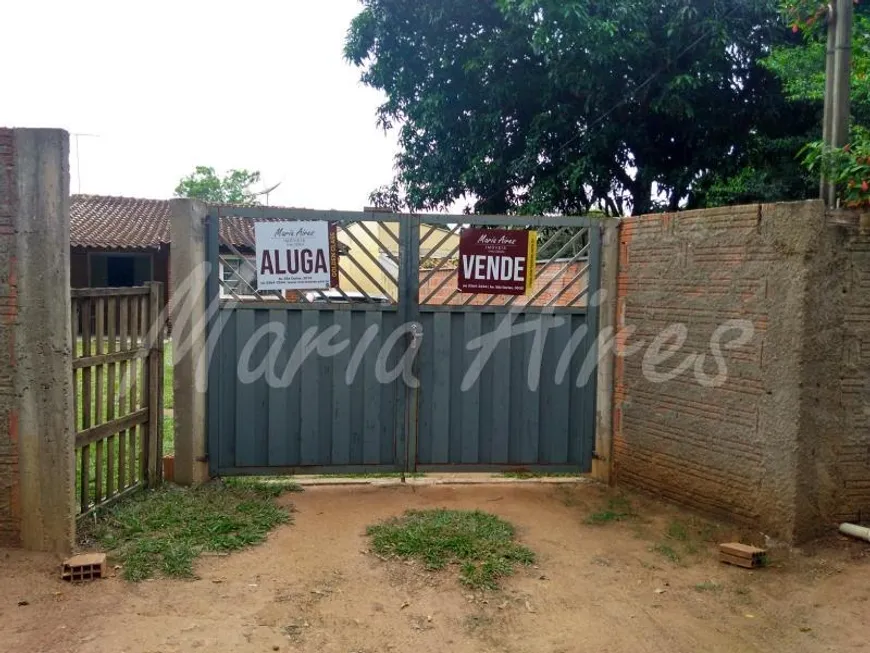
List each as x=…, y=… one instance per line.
x=782, y=443
x=558, y=280
x=853, y=457
x=689, y=444
x=10, y=503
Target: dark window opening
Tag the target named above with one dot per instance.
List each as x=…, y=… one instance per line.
x=120, y=270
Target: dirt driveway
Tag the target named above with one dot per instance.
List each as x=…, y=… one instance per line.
x=643, y=584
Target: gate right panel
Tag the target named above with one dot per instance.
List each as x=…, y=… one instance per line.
x=523, y=407
x=509, y=381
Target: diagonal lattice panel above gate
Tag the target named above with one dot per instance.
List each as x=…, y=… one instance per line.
x=368, y=261
x=561, y=280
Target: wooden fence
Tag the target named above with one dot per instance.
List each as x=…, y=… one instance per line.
x=117, y=336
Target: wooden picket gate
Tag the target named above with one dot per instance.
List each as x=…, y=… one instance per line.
x=117, y=337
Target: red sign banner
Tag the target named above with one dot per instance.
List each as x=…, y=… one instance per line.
x=497, y=261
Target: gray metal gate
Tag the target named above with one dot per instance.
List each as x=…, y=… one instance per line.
x=395, y=370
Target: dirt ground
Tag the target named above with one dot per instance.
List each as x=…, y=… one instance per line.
x=314, y=586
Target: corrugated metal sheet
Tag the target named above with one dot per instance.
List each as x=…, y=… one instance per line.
x=319, y=419
x=503, y=418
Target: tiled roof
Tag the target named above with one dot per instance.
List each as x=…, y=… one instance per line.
x=118, y=222
x=106, y=222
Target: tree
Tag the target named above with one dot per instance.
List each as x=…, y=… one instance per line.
x=563, y=106
x=233, y=188
x=801, y=67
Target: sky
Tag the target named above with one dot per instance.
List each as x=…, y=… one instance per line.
x=161, y=87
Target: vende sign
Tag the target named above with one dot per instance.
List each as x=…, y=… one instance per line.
x=296, y=255
x=497, y=261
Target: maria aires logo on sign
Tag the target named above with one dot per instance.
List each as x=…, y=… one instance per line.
x=497, y=261
x=296, y=255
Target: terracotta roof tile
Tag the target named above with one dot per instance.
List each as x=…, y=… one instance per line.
x=118, y=222
x=106, y=222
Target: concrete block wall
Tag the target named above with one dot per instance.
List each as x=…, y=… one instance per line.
x=36, y=400
x=769, y=446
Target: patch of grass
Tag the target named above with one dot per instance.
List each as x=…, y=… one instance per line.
x=618, y=509
x=165, y=530
x=527, y=474
x=168, y=396
x=667, y=551
x=273, y=486
x=482, y=544
x=375, y=475
x=168, y=435
x=677, y=531
x=692, y=534
x=708, y=586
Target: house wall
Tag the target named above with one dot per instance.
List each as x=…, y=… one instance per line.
x=79, y=267
x=780, y=440
x=384, y=235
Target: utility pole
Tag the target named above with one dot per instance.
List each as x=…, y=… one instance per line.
x=79, y=160
x=838, y=61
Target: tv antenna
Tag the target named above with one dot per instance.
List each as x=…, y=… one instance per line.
x=78, y=158
x=267, y=191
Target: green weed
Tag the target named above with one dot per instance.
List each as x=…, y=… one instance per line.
x=528, y=474
x=667, y=551
x=165, y=530
x=482, y=544
x=618, y=509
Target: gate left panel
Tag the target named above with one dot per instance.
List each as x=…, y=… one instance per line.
x=300, y=391
x=305, y=381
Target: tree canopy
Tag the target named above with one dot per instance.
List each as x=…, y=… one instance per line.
x=562, y=106
x=233, y=188
x=802, y=69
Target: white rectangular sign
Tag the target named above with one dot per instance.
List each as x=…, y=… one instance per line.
x=295, y=255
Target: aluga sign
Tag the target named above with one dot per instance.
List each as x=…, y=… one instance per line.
x=296, y=255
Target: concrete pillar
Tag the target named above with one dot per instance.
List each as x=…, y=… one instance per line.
x=188, y=311
x=603, y=461
x=37, y=431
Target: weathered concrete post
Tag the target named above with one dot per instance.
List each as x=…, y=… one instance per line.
x=603, y=461
x=189, y=312
x=37, y=455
